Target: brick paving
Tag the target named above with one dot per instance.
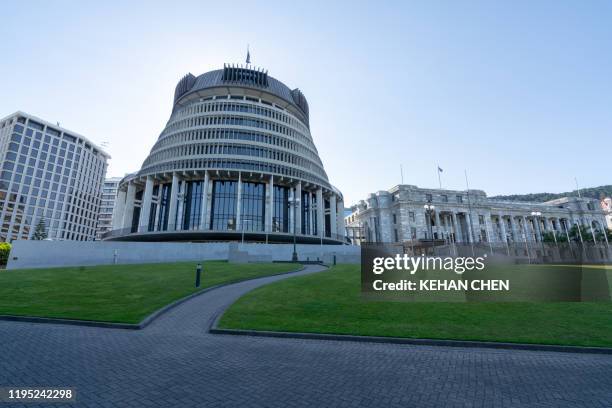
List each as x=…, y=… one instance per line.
x=175, y=363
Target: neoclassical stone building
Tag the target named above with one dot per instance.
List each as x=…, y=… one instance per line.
x=401, y=215
x=236, y=160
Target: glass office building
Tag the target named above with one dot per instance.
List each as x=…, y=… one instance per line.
x=51, y=174
x=236, y=160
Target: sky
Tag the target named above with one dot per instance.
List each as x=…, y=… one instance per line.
x=516, y=93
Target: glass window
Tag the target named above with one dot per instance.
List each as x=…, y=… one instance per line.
x=253, y=200
x=280, y=218
x=224, y=205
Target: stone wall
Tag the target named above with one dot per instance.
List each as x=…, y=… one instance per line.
x=45, y=254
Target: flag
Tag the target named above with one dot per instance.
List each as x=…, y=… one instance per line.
x=440, y=169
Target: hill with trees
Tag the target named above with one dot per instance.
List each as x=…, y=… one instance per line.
x=593, y=192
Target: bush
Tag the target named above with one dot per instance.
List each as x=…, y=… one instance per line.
x=5, y=249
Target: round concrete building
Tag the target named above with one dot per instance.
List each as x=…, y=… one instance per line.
x=236, y=161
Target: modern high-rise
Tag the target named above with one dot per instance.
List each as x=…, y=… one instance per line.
x=105, y=216
x=236, y=161
x=48, y=173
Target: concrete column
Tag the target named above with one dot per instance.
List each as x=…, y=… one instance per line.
x=204, y=205
x=340, y=219
x=525, y=228
x=174, y=190
x=333, y=224
x=180, y=206
x=320, y=213
x=239, y=204
x=209, y=199
x=515, y=237
x=312, y=211
x=458, y=237
x=157, y=209
x=119, y=209
x=270, y=206
x=129, y=205
x=145, y=207
x=469, y=226
x=502, y=228
x=291, y=208
x=298, y=207
x=538, y=231
x=437, y=216
x=491, y=237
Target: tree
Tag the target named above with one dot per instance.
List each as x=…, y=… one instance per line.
x=549, y=236
x=40, y=232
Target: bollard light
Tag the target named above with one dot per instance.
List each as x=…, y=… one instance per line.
x=198, y=275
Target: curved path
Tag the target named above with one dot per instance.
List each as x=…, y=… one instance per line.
x=174, y=362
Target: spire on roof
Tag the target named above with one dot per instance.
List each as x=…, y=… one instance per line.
x=248, y=58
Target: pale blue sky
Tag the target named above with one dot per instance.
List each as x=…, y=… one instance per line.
x=518, y=93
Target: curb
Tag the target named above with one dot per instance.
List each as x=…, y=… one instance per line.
x=416, y=342
x=131, y=326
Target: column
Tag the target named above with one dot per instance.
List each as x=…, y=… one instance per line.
x=180, y=206
x=340, y=219
x=145, y=207
x=455, y=229
x=538, y=231
x=270, y=206
x=157, y=209
x=298, y=207
x=515, y=237
x=239, y=204
x=320, y=213
x=204, y=205
x=491, y=236
x=470, y=227
x=310, y=217
x=291, y=208
x=525, y=228
x=119, y=209
x=502, y=228
x=173, y=199
x=437, y=216
x=333, y=225
x=129, y=205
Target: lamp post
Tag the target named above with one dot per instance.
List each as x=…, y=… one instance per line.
x=294, y=202
x=429, y=209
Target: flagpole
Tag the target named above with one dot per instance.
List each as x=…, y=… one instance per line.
x=577, y=188
x=402, y=172
x=469, y=211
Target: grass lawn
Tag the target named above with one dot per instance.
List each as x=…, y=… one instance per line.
x=330, y=302
x=114, y=293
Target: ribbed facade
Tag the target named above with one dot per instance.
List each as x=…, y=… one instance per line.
x=236, y=160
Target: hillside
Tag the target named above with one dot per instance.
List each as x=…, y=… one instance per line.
x=593, y=192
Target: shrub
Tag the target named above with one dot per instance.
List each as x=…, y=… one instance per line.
x=5, y=249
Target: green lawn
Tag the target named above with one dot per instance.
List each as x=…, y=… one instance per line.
x=330, y=302
x=114, y=293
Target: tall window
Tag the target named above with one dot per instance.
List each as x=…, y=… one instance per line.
x=280, y=218
x=224, y=206
x=193, y=205
x=253, y=206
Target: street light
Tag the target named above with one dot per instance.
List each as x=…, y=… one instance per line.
x=294, y=202
x=429, y=209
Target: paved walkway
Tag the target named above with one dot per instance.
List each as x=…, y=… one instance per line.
x=175, y=363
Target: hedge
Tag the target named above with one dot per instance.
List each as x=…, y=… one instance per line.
x=5, y=249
